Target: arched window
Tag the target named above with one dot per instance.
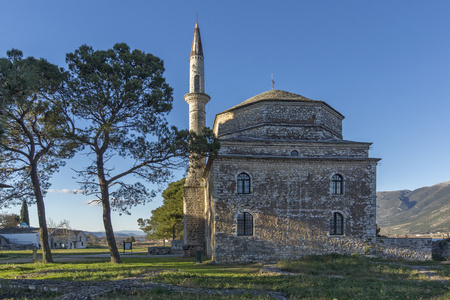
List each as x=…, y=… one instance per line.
x=337, y=184
x=244, y=224
x=196, y=83
x=243, y=184
x=294, y=153
x=336, y=224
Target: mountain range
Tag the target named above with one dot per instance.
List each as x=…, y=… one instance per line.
x=421, y=211
x=119, y=233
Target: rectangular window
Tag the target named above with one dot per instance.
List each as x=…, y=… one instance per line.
x=337, y=188
x=337, y=184
x=336, y=224
x=244, y=224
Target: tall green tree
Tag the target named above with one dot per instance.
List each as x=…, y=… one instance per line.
x=160, y=225
x=121, y=100
x=36, y=132
x=24, y=216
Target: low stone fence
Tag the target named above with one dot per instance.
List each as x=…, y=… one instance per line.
x=160, y=251
x=176, y=248
x=405, y=248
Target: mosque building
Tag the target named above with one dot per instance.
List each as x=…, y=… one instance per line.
x=285, y=182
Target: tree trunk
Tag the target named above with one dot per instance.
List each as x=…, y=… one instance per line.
x=46, y=252
x=110, y=239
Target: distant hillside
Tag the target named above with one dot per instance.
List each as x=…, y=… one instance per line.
x=120, y=233
x=425, y=210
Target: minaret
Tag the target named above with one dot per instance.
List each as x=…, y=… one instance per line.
x=194, y=188
x=196, y=98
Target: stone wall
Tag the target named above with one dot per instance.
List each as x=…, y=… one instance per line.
x=312, y=120
x=160, y=251
x=305, y=149
x=210, y=215
x=441, y=249
x=291, y=204
x=176, y=248
x=405, y=248
x=194, y=219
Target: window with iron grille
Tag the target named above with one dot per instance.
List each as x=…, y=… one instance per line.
x=244, y=224
x=336, y=224
x=243, y=184
x=337, y=184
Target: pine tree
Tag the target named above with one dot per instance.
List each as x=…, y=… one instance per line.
x=37, y=130
x=160, y=225
x=24, y=216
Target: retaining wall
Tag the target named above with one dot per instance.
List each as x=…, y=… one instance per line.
x=405, y=248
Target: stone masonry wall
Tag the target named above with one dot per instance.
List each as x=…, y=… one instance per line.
x=405, y=248
x=304, y=148
x=274, y=120
x=210, y=212
x=194, y=220
x=291, y=203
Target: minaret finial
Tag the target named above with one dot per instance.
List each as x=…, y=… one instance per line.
x=197, y=17
x=273, y=82
x=197, y=48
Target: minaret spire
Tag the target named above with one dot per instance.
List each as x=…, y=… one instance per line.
x=196, y=48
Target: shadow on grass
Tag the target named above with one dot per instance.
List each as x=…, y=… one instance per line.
x=317, y=277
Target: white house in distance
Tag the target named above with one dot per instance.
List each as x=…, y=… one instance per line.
x=22, y=236
x=68, y=239
x=57, y=239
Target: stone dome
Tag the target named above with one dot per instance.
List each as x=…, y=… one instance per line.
x=276, y=95
x=279, y=115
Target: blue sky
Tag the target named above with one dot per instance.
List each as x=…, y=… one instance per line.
x=385, y=65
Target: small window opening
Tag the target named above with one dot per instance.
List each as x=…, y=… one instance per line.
x=336, y=224
x=196, y=83
x=294, y=153
x=244, y=224
x=336, y=184
x=243, y=184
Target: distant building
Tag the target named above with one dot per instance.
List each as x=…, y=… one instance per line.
x=68, y=239
x=22, y=236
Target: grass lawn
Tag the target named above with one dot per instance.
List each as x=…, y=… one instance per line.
x=317, y=277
